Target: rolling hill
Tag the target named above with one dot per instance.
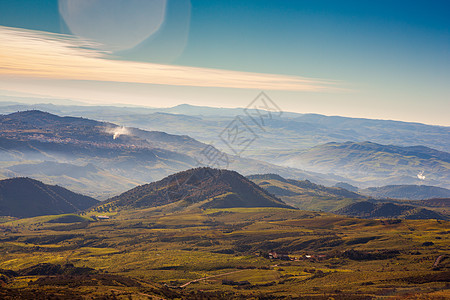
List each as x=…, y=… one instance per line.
x=200, y=187
x=25, y=197
x=304, y=194
x=370, y=210
x=436, y=202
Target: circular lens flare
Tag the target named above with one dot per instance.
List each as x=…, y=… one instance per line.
x=116, y=24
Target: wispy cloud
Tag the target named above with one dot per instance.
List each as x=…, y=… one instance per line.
x=47, y=55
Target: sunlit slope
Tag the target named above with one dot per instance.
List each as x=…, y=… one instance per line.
x=203, y=187
x=305, y=194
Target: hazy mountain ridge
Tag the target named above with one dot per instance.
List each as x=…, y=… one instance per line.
x=409, y=192
x=363, y=164
x=290, y=131
x=308, y=185
x=118, y=161
x=374, y=164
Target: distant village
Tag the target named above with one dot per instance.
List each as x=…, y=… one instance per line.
x=285, y=256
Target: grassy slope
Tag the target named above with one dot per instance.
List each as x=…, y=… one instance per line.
x=216, y=188
x=314, y=197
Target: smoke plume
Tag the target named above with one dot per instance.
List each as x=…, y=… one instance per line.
x=421, y=176
x=118, y=131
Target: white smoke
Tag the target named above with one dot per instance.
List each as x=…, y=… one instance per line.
x=118, y=131
x=421, y=176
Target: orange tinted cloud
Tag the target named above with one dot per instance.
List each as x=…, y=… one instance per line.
x=47, y=55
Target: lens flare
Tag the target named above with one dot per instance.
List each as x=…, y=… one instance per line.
x=116, y=24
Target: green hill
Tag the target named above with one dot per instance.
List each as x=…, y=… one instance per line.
x=304, y=194
x=202, y=187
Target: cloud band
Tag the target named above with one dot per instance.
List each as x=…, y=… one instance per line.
x=48, y=55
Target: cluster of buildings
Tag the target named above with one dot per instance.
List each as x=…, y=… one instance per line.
x=285, y=256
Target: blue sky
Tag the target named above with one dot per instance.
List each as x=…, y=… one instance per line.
x=390, y=59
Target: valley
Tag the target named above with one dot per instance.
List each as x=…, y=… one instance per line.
x=173, y=224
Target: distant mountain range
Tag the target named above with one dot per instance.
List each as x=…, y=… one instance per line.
x=288, y=131
x=294, y=140
x=373, y=164
x=25, y=197
x=409, y=192
x=405, y=192
x=366, y=209
x=201, y=188
x=103, y=166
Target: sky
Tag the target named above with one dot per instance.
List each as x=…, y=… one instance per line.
x=373, y=59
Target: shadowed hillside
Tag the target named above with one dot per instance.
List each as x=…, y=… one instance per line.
x=25, y=197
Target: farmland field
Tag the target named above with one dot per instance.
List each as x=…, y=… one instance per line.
x=224, y=253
